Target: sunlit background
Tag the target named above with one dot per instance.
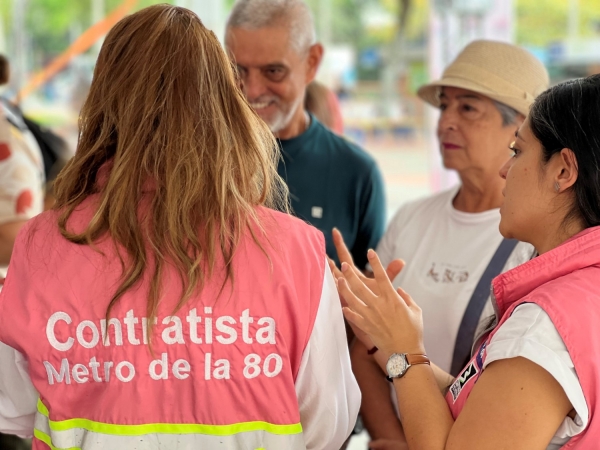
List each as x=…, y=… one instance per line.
x=377, y=53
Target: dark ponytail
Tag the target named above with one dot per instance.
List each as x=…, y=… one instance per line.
x=568, y=116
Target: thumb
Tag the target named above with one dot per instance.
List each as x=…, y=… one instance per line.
x=394, y=268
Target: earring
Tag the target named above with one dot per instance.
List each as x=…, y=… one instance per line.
x=556, y=186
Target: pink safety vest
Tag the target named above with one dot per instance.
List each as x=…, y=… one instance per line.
x=565, y=283
x=223, y=368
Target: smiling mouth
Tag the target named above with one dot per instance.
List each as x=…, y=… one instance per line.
x=259, y=106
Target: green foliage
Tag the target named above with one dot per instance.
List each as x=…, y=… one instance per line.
x=53, y=24
x=543, y=22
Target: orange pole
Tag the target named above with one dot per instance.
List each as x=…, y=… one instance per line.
x=81, y=44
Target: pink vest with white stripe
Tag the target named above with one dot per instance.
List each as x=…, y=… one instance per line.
x=222, y=369
x=565, y=283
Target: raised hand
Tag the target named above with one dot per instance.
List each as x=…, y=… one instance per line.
x=389, y=317
x=344, y=255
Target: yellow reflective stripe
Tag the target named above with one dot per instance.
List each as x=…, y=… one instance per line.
x=168, y=428
x=48, y=441
x=42, y=408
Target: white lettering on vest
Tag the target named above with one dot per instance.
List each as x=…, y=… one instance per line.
x=173, y=334
x=246, y=320
x=94, y=365
x=145, y=328
x=266, y=334
x=193, y=319
x=181, y=369
x=222, y=369
x=60, y=346
x=107, y=366
x=130, y=320
x=278, y=365
x=252, y=369
x=208, y=326
x=116, y=323
x=80, y=373
x=119, y=371
x=164, y=368
x=81, y=338
x=227, y=330
x=54, y=375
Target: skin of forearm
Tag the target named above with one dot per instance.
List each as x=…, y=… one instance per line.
x=377, y=411
x=426, y=418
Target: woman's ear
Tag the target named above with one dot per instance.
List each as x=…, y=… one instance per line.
x=568, y=169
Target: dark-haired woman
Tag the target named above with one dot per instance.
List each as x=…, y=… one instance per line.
x=534, y=379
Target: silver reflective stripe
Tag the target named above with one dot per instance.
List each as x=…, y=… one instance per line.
x=83, y=439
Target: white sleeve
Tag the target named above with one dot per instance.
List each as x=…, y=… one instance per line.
x=18, y=397
x=531, y=334
x=328, y=394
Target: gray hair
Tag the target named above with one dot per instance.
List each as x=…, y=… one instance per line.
x=509, y=115
x=294, y=14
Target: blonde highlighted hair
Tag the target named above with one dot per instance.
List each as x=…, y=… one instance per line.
x=164, y=112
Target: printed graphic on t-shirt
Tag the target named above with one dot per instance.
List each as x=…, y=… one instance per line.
x=447, y=273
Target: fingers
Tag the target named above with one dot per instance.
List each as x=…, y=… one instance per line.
x=337, y=273
x=356, y=284
x=394, y=268
x=343, y=253
x=384, y=283
x=355, y=319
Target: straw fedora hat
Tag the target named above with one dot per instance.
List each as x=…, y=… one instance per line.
x=503, y=72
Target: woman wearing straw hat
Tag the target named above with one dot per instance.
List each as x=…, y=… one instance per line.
x=450, y=241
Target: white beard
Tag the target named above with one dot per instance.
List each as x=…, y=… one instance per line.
x=281, y=118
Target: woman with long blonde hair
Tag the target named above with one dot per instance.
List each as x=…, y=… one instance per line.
x=162, y=303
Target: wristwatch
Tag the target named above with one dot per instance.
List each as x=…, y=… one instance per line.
x=399, y=363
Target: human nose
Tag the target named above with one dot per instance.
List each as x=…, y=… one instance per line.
x=253, y=86
x=504, y=168
x=447, y=120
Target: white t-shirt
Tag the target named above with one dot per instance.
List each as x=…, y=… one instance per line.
x=328, y=394
x=530, y=333
x=446, y=252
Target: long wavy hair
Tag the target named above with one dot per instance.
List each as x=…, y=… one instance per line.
x=164, y=111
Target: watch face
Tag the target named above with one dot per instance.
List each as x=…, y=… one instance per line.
x=396, y=365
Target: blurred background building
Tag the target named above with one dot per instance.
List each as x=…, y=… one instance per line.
x=377, y=54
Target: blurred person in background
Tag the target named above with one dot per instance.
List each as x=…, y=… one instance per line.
x=450, y=241
x=21, y=173
x=162, y=304
x=322, y=102
x=21, y=196
x=533, y=380
x=332, y=182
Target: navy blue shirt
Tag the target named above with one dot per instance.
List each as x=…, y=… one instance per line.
x=334, y=183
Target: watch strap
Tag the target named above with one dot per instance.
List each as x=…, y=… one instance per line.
x=417, y=359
